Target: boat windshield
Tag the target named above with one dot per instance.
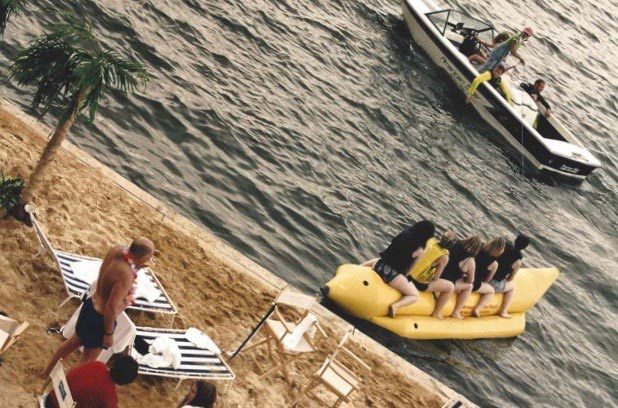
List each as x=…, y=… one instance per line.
x=457, y=22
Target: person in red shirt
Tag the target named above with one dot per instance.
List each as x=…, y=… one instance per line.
x=93, y=385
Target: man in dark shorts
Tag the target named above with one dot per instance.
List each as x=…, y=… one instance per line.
x=114, y=292
x=94, y=385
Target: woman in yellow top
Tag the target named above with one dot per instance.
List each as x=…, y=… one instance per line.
x=425, y=273
x=495, y=79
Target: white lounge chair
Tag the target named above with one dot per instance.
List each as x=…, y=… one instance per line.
x=279, y=331
x=10, y=331
x=76, y=288
x=195, y=363
x=335, y=376
x=59, y=385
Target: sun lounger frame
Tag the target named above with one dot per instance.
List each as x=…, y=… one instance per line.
x=227, y=375
x=72, y=292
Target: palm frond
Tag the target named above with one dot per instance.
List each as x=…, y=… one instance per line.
x=8, y=8
x=50, y=66
x=69, y=67
x=107, y=69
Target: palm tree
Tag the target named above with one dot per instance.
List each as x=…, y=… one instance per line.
x=71, y=71
x=7, y=9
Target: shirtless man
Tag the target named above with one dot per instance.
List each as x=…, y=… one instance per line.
x=95, y=325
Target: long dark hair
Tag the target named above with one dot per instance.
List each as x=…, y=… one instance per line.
x=205, y=395
x=421, y=232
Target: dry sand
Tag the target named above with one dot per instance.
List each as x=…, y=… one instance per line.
x=85, y=212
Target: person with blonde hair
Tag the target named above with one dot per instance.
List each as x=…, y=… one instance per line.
x=425, y=274
x=508, y=265
x=460, y=269
x=486, y=267
x=480, y=57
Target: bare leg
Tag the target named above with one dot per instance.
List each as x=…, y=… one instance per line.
x=370, y=263
x=487, y=292
x=66, y=348
x=479, y=59
x=90, y=354
x=463, y=291
x=509, y=291
x=407, y=289
x=445, y=288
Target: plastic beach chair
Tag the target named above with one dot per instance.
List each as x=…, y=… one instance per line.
x=335, y=376
x=195, y=363
x=58, y=382
x=76, y=288
x=279, y=331
x=10, y=332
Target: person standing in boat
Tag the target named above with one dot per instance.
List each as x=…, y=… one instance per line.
x=425, y=274
x=495, y=79
x=401, y=255
x=460, y=269
x=508, y=265
x=534, y=90
x=511, y=45
x=486, y=267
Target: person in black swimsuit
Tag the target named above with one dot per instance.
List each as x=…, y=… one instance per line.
x=508, y=265
x=486, y=267
x=460, y=269
x=396, y=260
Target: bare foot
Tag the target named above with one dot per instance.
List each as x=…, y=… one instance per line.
x=392, y=311
x=476, y=313
x=505, y=315
x=437, y=316
x=456, y=316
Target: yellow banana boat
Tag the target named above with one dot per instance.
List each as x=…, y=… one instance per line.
x=362, y=293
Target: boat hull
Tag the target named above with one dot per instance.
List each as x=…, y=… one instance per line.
x=490, y=106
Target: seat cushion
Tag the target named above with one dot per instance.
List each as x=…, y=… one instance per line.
x=336, y=377
x=278, y=330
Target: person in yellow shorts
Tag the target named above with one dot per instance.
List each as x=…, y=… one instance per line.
x=495, y=79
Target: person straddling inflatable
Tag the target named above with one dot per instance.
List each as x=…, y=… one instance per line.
x=495, y=79
x=511, y=45
x=396, y=260
x=425, y=274
x=480, y=57
x=460, y=269
x=486, y=267
x=508, y=265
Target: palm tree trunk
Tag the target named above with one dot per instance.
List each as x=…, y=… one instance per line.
x=50, y=151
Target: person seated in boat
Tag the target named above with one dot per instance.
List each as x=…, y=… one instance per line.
x=500, y=52
x=495, y=79
x=480, y=57
x=508, y=265
x=401, y=255
x=486, y=267
x=425, y=274
x=534, y=90
x=460, y=269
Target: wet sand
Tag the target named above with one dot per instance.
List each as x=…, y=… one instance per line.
x=85, y=208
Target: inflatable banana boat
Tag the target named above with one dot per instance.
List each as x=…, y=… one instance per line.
x=362, y=293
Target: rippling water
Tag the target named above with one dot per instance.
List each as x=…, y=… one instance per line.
x=307, y=133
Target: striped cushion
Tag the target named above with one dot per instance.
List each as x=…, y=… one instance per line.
x=195, y=363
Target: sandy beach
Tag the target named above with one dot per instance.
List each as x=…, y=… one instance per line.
x=84, y=211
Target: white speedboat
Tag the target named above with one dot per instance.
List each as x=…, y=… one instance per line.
x=544, y=142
